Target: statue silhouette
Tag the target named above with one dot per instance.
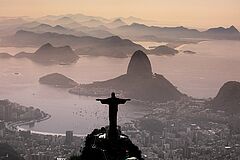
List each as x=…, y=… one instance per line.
x=113, y=103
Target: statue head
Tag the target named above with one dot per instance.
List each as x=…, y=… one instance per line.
x=113, y=95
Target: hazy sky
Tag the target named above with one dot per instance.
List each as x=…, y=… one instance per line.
x=198, y=13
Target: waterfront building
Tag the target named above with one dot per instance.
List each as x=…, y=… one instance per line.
x=69, y=137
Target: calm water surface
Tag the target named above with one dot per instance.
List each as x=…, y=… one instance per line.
x=199, y=75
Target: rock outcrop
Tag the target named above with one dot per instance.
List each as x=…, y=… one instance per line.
x=139, y=83
x=228, y=98
x=163, y=50
x=58, y=80
x=97, y=146
x=52, y=55
x=7, y=152
x=48, y=53
x=139, y=65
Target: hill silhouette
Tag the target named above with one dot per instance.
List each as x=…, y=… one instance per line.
x=228, y=98
x=7, y=152
x=222, y=30
x=139, y=65
x=163, y=50
x=111, y=46
x=97, y=147
x=57, y=80
x=222, y=33
x=139, y=83
x=116, y=23
x=50, y=54
x=138, y=31
x=42, y=28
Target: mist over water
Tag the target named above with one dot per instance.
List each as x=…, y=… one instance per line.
x=202, y=74
x=199, y=75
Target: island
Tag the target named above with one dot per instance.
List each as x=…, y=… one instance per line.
x=163, y=50
x=189, y=52
x=58, y=80
x=49, y=54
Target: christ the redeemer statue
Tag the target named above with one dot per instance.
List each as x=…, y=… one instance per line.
x=113, y=103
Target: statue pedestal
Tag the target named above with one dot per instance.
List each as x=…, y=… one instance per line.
x=101, y=145
x=113, y=133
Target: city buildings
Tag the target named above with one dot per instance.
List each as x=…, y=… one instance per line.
x=69, y=137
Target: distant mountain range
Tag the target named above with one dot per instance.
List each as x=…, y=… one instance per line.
x=98, y=32
x=10, y=25
x=131, y=28
x=42, y=28
x=222, y=30
x=80, y=19
x=222, y=33
x=70, y=17
x=116, y=23
x=142, y=29
x=111, y=46
x=139, y=31
x=134, y=31
x=100, y=40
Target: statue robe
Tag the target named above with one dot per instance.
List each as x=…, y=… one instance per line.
x=113, y=109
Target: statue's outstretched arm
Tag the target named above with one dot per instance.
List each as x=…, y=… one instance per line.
x=123, y=101
x=103, y=101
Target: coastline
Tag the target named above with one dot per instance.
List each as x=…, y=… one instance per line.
x=48, y=133
x=16, y=127
x=12, y=126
